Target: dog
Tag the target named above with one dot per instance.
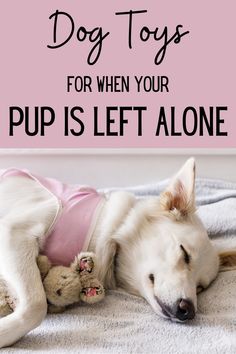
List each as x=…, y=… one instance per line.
x=156, y=248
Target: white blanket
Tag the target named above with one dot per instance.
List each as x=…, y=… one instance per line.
x=126, y=324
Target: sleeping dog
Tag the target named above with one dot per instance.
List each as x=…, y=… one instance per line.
x=156, y=248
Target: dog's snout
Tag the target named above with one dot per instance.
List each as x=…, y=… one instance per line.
x=185, y=310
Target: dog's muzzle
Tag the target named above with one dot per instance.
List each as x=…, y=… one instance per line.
x=182, y=311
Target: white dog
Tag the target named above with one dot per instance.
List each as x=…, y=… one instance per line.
x=156, y=248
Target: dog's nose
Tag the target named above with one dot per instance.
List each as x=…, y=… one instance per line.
x=185, y=310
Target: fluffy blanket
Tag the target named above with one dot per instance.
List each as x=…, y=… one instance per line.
x=123, y=323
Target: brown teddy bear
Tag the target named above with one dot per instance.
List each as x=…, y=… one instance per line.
x=63, y=285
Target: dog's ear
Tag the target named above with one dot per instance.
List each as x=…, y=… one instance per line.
x=227, y=260
x=179, y=196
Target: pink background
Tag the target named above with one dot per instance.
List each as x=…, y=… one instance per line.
x=201, y=69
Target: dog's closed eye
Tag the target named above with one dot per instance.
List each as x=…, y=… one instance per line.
x=186, y=255
x=151, y=277
x=200, y=288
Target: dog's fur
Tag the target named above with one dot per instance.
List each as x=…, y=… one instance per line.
x=156, y=248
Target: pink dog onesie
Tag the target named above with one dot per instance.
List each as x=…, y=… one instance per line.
x=75, y=222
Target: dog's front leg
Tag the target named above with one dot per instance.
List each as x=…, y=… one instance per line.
x=18, y=267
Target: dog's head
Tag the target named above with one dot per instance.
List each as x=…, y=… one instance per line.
x=164, y=253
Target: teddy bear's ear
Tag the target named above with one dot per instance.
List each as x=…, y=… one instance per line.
x=44, y=265
x=75, y=265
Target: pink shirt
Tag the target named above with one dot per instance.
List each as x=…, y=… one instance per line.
x=74, y=224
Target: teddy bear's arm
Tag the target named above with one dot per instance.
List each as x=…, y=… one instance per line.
x=92, y=290
x=6, y=302
x=84, y=263
x=44, y=265
x=55, y=309
x=5, y=308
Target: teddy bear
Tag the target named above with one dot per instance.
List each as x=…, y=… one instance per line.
x=63, y=285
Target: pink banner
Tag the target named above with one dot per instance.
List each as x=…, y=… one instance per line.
x=117, y=74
